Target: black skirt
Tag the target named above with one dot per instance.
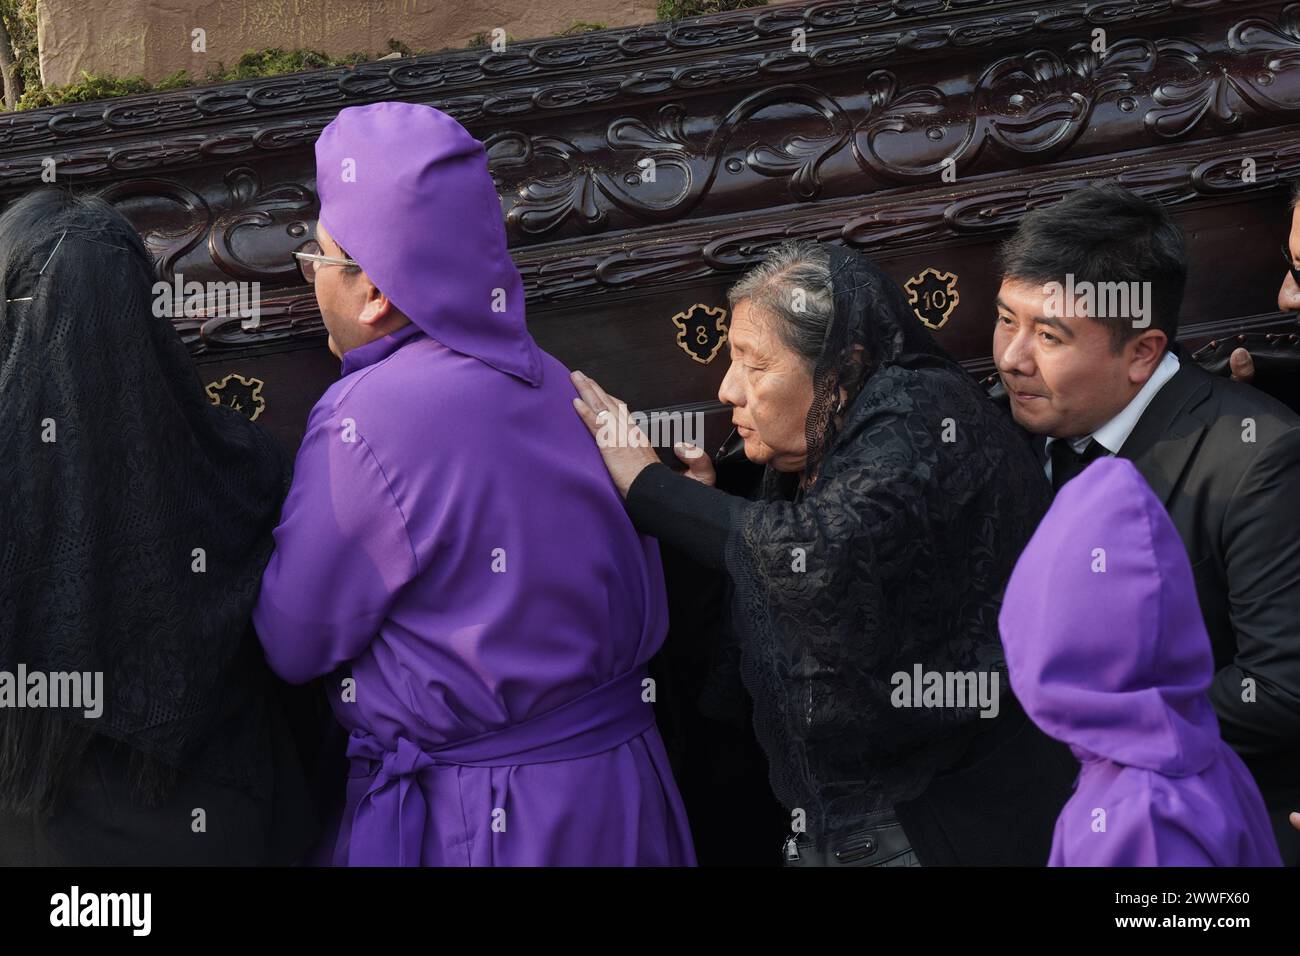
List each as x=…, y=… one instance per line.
x=997, y=806
x=99, y=822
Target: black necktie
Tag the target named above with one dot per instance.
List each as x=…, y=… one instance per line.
x=1066, y=462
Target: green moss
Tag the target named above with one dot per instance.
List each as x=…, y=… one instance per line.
x=250, y=66
x=91, y=87
x=681, y=9
x=178, y=80
x=484, y=38
x=580, y=26
x=20, y=20
x=273, y=62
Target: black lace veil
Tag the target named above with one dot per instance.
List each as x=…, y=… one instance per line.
x=872, y=327
x=136, y=515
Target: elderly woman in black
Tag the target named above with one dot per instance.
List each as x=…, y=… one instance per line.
x=894, y=502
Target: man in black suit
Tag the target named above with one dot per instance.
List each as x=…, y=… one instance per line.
x=1086, y=317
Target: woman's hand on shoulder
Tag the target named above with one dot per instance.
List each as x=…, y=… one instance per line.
x=622, y=444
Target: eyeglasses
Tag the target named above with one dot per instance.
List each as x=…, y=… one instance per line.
x=1290, y=264
x=310, y=259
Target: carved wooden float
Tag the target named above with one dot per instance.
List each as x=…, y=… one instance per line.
x=916, y=130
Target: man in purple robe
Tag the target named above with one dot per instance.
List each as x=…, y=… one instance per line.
x=452, y=551
x=1107, y=652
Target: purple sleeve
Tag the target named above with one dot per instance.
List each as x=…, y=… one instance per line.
x=341, y=552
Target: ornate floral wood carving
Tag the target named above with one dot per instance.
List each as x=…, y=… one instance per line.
x=747, y=140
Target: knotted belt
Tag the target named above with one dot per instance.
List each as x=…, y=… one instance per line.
x=389, y=821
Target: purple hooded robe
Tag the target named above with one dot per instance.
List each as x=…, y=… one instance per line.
x=1107, y=652
x=454, y=554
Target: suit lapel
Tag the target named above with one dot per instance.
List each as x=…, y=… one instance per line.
x=1169, y=431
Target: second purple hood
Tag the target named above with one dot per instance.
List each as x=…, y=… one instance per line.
x=1116, y=662
x=1107, y=651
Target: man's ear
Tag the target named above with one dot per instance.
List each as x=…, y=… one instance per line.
x=377, y=308
x=1145, y=353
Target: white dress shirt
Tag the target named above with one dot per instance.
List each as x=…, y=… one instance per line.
x=1112, y=435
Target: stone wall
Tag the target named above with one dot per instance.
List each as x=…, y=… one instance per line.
x=153, y=38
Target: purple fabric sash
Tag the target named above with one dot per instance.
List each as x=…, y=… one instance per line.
x=388, y=824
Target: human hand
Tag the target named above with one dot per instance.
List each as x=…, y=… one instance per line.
x=624, y=447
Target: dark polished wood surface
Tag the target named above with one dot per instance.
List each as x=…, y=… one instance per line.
x=917, y=131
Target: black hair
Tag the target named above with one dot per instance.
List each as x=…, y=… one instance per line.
x=30, y=231
x=795, y=266
x=1104, y=234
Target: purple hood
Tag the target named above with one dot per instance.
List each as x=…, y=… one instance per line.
x=1107, y=651
x=425, y=224
x=1116, y=664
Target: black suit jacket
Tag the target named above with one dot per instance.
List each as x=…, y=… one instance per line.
x=1236, y=505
